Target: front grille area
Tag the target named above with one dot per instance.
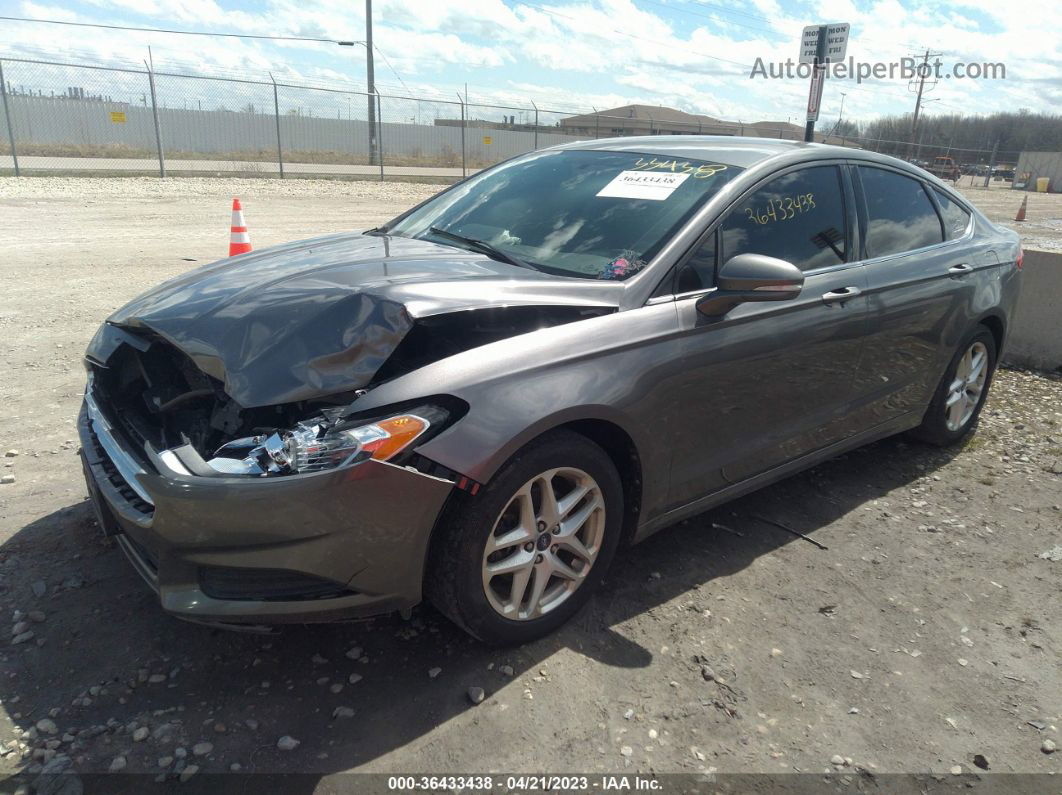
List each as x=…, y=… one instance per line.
x=267, y=585
x=115, y=477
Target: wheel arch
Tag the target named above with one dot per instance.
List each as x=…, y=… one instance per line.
x=617, y=443
x=995, y=323
x=621, y=448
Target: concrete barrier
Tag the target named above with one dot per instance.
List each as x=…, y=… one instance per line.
x=1035, y=338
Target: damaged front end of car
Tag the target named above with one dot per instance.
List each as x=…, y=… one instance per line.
x=160, y=396
x=228, y=445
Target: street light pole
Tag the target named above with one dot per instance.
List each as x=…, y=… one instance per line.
x=371, y=82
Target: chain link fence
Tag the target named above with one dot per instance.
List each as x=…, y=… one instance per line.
x=69, y=118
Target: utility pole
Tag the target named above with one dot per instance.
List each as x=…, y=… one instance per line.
x=840, y=114
x=370, y=80
x=923, y=72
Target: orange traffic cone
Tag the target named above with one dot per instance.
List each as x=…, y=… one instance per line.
x=1021, y=210
x=239, y=240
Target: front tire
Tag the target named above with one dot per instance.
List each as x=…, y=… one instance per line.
x=962, y=392
x=520, y=558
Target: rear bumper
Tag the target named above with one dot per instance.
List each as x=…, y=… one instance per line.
x=326, y=546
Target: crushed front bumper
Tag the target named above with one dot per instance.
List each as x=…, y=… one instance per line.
x=326, y=546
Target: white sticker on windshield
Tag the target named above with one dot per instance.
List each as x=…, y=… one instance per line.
x=640, y=185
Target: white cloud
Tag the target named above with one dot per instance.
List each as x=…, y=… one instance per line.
x=589, y=52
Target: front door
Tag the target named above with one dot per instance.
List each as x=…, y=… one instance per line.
x=769, y=382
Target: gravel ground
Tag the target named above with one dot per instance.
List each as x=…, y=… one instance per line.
x=926, y=634
x=1042, y=227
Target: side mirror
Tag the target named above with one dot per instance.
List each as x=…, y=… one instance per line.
x=752, y=277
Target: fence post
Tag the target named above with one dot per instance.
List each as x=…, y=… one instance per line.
x=991, y=162
x=597, y=123
x=533, y=105
x=155, y=115
x=464, y=167
x=7, y=115
x=379, y=134
x=276, y=115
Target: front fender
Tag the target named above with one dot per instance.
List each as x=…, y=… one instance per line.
x=622, y=368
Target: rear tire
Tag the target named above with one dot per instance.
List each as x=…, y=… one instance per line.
x=961, y=394
x=507, y=567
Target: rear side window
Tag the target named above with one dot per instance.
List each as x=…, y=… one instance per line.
x=900, y=216
x=956, y=219
x=798, y=217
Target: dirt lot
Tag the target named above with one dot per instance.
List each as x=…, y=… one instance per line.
x=928, y=632
x=1042, y=227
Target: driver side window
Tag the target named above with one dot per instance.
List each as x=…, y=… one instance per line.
x=799, y=217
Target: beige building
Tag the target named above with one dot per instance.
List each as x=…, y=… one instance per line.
x=658, y=120
x=646, y=120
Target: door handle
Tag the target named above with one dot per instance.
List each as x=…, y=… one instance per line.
x=960, y=269
x=840, y=294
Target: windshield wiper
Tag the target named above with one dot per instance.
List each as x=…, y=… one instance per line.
x=482, y=247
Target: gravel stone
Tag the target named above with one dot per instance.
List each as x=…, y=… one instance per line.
x=476, y=695
x=202, y=749
x=287, y=743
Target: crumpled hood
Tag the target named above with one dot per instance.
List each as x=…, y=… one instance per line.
x=320, y=316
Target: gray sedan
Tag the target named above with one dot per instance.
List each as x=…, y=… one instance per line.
x=481, y=401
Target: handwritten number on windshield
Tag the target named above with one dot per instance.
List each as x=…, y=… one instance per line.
x=701, y=171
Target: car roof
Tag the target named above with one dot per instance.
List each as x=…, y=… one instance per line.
x=731, y=150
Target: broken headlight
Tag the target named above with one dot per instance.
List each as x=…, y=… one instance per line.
x=319, y=444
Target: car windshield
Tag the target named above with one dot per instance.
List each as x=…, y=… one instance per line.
x=586, y=213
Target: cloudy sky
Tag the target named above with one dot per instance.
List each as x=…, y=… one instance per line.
x=576, y=54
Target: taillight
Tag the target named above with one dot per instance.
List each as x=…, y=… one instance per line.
x=1021, y=258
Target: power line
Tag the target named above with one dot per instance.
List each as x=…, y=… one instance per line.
x=393, y=71
x=181, y=32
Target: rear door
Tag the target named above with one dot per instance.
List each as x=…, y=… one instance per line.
x=769, y=382
x=919, y=260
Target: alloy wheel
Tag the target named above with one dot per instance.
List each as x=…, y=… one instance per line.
x=543, y=543
x=967, y=387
